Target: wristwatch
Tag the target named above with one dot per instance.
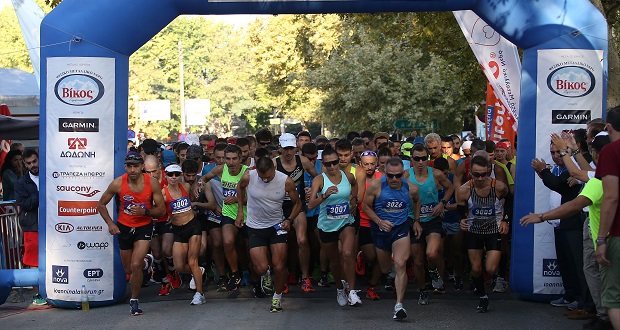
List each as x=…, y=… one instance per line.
x=563, y=153
x=601, y=241
x=147, y=212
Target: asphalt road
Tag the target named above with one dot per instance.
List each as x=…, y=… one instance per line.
x=319, y=310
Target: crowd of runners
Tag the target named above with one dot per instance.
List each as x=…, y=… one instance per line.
x=354, y=213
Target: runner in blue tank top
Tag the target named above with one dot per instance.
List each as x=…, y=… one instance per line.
x=386, y=204
x=335, y=191
x=430, y=243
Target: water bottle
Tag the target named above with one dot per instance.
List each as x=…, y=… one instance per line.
x=85, y=303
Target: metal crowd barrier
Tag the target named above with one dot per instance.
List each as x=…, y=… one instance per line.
x=11, y=237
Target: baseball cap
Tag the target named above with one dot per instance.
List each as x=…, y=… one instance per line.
x=211, y=145
x=382, y=135
x=150, y=146
x=173, y=168
x=419, y=139
x=502, y=145
x=133, y=158
x=288, y=140
x=466, y=145
x=169, y=156
x=405, y=149
x=194, y=152
x=231, y=140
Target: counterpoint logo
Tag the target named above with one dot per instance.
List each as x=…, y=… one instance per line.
x=79, y=89
x=571, y=81
x=77, y=208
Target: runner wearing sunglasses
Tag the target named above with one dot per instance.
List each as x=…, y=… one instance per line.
x=386, y=204
x=480, y=205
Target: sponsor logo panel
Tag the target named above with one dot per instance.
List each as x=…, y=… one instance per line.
x=78, y=125
x=60, y=274
x=77, y=208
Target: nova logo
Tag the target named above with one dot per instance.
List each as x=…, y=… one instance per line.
x=79, y=89
x=551, y=268
x=77, y=143
x=60, y=274
x=63, y=227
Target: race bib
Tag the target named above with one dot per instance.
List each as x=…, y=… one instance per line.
x=180, y=205
x=393, y=206
x=128, y=204
x=338, y=211
x=229, y=192
x=279, y=229
x=214, y=218
x=427, y=209
x=483, y=211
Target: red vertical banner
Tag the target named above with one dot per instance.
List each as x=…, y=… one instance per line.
x=5, y=145
x=500, y=123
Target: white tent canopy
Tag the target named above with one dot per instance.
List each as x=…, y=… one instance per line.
x=20, y=92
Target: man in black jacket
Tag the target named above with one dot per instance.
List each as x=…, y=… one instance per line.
x=27, y=197
x=569, y=234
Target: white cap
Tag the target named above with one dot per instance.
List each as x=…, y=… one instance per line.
x=173, y=168
x=602, y=133
x=288, y=140
x=466, y=145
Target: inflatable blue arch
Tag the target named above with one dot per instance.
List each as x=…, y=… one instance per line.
x=117, y=28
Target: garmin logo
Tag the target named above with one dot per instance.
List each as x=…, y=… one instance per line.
x=78, y=125
x=570, y=116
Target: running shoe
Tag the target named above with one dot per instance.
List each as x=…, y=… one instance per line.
x=345, y=285
x=276, y=305
x=38, y=300
x=198, y=299
x=133, y=308
x=437, y=282
x=573, y=306
x=354, y=299
x=399, y=312
x=371, y=293
x=292, y=279
x=483, y=305
x=323, y=282
x=192, y=282
x=389, y=284
x=458, y=283
x=245, y=278
x=258, y=291
x=175, y=279
x=423, y=300
x=561, y=302
x=360, y=265
x=341, y=297
x=233, y=283
x=221, y=285
x=165, y=289
x=500, y=285
x=266, y=284
x=148, y=260
x=306, y=285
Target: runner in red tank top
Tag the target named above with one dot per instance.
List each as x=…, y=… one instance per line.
x=366, y=172
x=140, y=201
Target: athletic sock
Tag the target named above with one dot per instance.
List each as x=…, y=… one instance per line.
x=277, y=296
x=479, y=284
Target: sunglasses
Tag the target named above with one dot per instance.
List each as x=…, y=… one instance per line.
x=418, y=159
x=134, y=157
x=264, y=143
x=479, y=174
x=392, y=176
x=332, y=163
x=369, y=153
x=171, y=174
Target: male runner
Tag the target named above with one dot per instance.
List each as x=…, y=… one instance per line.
x=481, y=209
x=386, y=203
x=141, y=200
x=267, y=228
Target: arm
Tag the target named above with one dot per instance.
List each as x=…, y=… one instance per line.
x=113, y=189
x=317, y=185
x=502, y=191
x=415, y=204
x=451, y=164
x=458, y=177
x=242, y=185
x=574, y=171
x=438, y=210
x=550, y=181
x=159, y=208
x=292, y=193
x=563, y=211
x=217, y=171
x=308, y=166
x=608, y=213
x=354, y=192
x=462, y=205
x=210, y=199
x=360, y=177
x=583, y=163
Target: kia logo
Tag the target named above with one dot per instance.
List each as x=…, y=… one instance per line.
x=63, y=227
